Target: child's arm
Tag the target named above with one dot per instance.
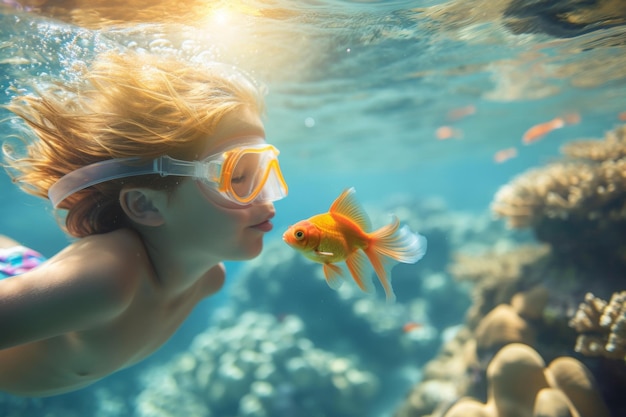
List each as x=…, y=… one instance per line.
x=69, y=293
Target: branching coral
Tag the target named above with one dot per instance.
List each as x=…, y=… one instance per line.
x=611, y=148
x=589, y=186
x=602, y=326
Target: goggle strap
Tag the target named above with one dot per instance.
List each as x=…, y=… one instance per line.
x=166, y=165
x=95, y=174
x=113, y=169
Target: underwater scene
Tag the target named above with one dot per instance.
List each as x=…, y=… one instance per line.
x=496, y=129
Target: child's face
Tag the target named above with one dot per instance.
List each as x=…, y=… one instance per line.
x=198, y=222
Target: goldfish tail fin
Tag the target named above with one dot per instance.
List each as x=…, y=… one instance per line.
x=393, y=243
x=333, y=275
x=399, y=244
x=357, y=265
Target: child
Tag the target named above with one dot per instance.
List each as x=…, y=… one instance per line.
x=164, y=172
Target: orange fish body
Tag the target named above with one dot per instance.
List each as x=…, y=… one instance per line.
x=448, y=132
x=411, y=326
x=540, y=130
x=342, y=234
x=504, y=155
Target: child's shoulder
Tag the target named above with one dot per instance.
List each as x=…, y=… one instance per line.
x=114, y=247
x=118, y=260
x=120, y=240
x=122, y=248
x=98, y=277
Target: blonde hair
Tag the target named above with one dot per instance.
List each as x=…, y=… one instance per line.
x=127, y=105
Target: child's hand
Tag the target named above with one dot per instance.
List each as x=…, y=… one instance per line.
x=215, y=278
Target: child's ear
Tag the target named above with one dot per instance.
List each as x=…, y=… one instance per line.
x=141, y=207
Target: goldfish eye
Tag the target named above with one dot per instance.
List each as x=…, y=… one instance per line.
x=299, y=234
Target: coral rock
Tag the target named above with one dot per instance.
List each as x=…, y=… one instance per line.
x=521, y=386
x=514, y=363
x=551, y=402
x=470, y=408
x=500, y=327
x=576, y=382
x=530, y=304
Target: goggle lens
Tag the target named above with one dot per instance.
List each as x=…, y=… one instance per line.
x=251, y=174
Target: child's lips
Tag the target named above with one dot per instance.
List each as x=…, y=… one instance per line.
x=265, y=226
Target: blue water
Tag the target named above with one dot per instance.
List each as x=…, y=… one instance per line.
x=357, y=91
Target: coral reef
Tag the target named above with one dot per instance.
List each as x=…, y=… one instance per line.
x=254, y=366
x=602, y=326
x=588, y=187
x=461, y=366
x=444, y=378
x=496, y=276
x=528, y=295
x=521, y=385
x=578, y=205
x=531, y=304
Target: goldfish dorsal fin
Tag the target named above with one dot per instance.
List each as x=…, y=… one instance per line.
x=347, y=206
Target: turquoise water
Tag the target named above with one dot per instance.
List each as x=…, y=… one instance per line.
x=357, y=92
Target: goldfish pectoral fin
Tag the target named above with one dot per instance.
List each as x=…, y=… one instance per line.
x=333, y=275
x=357, y=265
x=381, y=267
x=321, y=253
x=346, y=205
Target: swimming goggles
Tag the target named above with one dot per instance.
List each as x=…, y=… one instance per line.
x=242, y=175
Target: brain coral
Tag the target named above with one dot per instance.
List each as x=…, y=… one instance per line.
x=563, y=388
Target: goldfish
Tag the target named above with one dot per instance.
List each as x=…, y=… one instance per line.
x=343, y=234
x=622, y=116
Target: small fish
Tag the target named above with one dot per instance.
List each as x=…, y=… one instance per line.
x=538, y=131
x=343, y=234
x=622, y=116
x=461, y=112
x=411, y=326
x=448, y=132
x=504, y=155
